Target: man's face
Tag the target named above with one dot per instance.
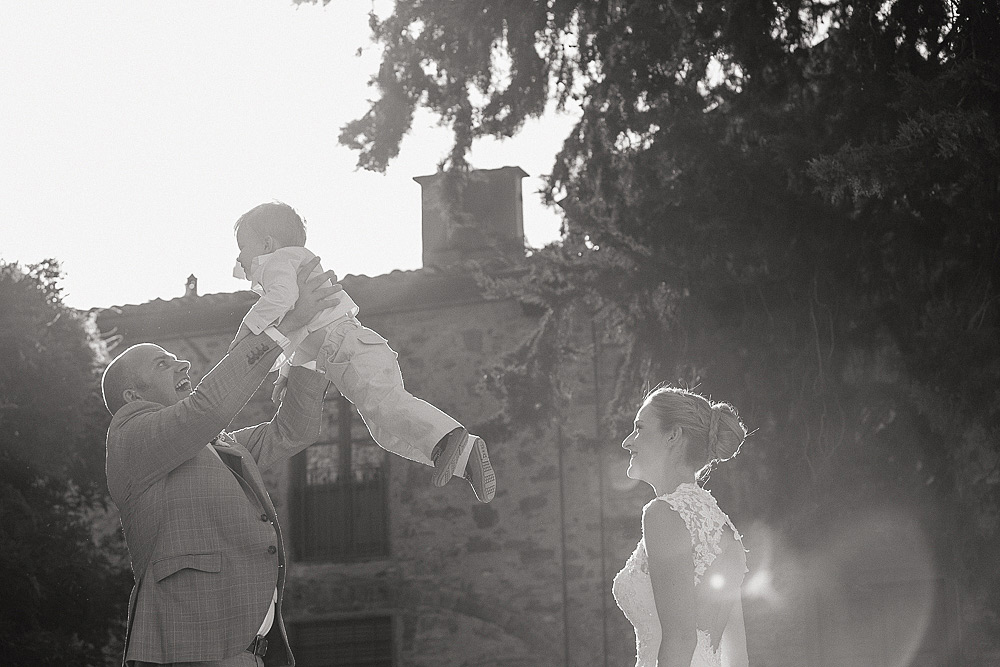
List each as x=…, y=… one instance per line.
x=252, y=244
x=162, y=377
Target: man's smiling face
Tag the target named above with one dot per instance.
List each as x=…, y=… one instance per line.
x=162, y=377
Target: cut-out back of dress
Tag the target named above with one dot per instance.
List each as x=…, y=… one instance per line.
x=633, y=590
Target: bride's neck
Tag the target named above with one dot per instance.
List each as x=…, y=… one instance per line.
x=670, y=479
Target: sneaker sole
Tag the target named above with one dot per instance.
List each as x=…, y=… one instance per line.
x=487, y=486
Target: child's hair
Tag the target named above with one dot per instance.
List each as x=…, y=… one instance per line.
x=275, y=219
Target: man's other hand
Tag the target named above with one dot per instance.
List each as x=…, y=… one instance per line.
x=315, y=294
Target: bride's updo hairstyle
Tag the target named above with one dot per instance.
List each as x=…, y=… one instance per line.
x=714, y=430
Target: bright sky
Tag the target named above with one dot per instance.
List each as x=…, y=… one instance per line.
x=133, y=134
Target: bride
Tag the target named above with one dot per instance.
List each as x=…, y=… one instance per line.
x=680, y=588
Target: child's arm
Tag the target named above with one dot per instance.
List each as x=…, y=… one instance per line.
x=281, y=290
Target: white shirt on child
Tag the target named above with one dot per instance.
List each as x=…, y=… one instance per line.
x=273, y=276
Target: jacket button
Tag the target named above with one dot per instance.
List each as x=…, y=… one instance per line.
x=263, y=517
x=272, y=549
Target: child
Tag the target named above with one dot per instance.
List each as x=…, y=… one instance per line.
x=357, y=360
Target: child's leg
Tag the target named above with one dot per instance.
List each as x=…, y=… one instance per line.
x=310, y=345
x=364, y=368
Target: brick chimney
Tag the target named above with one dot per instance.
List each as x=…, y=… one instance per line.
x=476, y=215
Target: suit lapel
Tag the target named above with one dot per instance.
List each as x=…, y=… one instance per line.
x=233, y=460
x=234, y=455
x=231, y=455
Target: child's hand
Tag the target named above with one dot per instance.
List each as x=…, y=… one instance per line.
x=278, y=392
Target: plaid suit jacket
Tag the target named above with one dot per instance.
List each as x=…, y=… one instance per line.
x=206, y=550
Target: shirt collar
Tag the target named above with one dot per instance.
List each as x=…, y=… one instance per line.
x=256, y=269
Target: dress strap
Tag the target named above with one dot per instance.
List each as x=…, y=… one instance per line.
x=704, y=520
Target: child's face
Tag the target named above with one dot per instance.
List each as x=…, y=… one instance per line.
x=252, y=244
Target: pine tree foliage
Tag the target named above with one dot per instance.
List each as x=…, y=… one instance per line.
x=792, y=205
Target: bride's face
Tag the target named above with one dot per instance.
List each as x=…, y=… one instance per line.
x=646, y=444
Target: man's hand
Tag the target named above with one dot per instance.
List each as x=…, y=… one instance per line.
x=315, y=294
x=278, y=392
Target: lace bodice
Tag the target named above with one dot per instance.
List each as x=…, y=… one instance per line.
x=633, y=590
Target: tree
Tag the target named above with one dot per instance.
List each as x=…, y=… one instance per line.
x=66, y=593
x=792, y=204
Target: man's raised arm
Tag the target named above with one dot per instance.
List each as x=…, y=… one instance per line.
x=147, y=441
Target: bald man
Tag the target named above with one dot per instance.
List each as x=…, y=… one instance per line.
x=201, y=530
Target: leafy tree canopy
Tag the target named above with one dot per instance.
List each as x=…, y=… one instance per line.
x=791, y=204
x=66, y=593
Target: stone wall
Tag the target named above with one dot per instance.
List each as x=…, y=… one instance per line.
x=521, y=581
x=526, y=580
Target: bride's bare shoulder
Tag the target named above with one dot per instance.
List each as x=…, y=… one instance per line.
x=662, y=526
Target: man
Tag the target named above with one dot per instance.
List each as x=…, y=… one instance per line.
x=201, y=531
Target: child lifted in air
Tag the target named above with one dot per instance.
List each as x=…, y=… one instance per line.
x=358, y=361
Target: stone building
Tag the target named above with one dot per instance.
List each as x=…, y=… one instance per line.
x=386, y=569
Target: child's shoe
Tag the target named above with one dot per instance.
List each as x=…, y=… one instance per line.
x=446, y=456
x=479, y=471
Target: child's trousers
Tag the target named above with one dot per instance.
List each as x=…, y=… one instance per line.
x=363, y=367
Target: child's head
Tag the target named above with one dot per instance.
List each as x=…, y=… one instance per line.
x=265, y=228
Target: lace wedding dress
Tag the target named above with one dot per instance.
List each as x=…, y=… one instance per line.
x=633, y=590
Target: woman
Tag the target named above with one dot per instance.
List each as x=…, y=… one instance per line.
x=680, y=588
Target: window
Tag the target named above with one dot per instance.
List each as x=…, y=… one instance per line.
x=350, y=642
x=339, y=506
